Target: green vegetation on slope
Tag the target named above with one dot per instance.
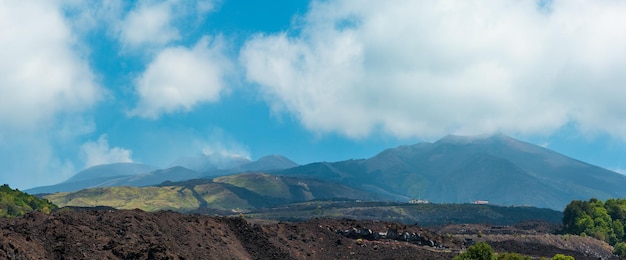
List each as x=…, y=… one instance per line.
x=483, y=251
x=145, y=198
x=479, y=251
x=237, y=192
x=262, y=184
x=604, y=221
x=14, y=203
x=220, y=197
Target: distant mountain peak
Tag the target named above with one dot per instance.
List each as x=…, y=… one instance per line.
x=466, y=139
x=276, y=158
x=269, y=162
x=208, y=162
x=113, y=169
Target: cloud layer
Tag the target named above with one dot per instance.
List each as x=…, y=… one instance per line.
x=179, y=78
x=155, y=23
x=72, y=71
x=429, y=68
x=98, y=152
x=42, y=73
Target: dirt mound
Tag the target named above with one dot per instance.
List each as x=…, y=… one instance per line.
x=533, y=238
x=133, y=234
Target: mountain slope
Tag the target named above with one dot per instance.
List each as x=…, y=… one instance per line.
x=460, y=169
x=152, y=178
x=111, y=170
x=14, y=203
x=185, y=168
x=236, y=192
x=94, y=177
x=216, y=165
x=267, y=163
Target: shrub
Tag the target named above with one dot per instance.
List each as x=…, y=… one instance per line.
x=562, y=257
x=479, y=251
x=14, y=203
x=620, y=249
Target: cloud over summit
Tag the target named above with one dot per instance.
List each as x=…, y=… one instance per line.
x=428, y=68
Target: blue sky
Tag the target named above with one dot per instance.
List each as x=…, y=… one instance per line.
x=91, y=82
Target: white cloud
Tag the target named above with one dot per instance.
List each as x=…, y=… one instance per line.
x=222, y=149
x=223, y=146
x=149, y=23
x=86, y=16
x=99, y=152
x=179, y=78
x=155, y=23
x=46, y=86
x=429, y=68
x=41, y=74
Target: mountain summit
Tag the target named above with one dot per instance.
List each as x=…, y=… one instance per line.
x=461, y=169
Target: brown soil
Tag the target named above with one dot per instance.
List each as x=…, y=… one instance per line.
x=533, y=238
x=134, y=234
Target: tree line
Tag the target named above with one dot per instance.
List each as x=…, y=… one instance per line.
x=602, y=220
x=483, y=251
x=14, y=203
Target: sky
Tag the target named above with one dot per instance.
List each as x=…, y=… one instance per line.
x=84, y=83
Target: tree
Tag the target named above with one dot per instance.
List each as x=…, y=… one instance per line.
x=620, y=249
x=479, y=251
x=616, y=208
x=604, y=221
x=618, y=228
x=572, y=212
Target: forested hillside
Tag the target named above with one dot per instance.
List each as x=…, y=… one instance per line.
x=14, y=203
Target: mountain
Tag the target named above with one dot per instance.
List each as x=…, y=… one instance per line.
x=267, y=163
x=123, y=178
x=185, y=168
x=461, y=169
x=241, y=191
x=454, y=169
x=111, y=170
x=210, y=163
x=217, y=165
x=95, y=176
x=153, y=178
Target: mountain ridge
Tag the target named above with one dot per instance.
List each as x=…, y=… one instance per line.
x=137, y=175
x=453, y=169
x=459, y=169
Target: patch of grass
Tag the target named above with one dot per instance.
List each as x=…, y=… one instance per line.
x=262, y=184
x=144, y=198
x=219, y=197
x=14, y=203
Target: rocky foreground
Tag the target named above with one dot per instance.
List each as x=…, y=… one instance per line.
x=134, y=234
